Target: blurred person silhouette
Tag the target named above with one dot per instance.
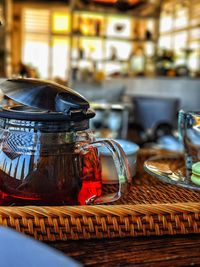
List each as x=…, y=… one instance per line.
x=23, y=70
x=27, y=71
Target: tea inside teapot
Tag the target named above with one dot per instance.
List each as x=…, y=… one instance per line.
x=45, y=167
x=47, y=152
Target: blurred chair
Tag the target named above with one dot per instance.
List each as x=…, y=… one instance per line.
x=150, y=111
x=154, y=116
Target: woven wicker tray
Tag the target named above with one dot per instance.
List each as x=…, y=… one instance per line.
x=151, y=208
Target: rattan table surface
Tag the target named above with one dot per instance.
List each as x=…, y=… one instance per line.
x=156, y=224
x=161, y=250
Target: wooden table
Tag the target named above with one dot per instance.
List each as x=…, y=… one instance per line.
x=179, y=250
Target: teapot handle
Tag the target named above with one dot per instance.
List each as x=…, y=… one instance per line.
x=123, y=172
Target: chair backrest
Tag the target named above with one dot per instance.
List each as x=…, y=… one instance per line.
x=150, y=111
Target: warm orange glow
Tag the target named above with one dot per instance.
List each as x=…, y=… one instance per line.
x=132, y=2
x=61, y=22
x=106, y=1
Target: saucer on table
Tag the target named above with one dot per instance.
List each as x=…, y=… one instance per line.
x=170, y=169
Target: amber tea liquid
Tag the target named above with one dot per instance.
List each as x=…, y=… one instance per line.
x=59, y=177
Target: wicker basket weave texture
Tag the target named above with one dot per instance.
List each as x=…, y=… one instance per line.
x=150, y=208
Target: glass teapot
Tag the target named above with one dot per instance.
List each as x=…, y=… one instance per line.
x=48, y=155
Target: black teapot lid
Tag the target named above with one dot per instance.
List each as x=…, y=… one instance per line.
x=47, y=100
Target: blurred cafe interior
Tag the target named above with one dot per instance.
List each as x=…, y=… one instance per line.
x=136, y=61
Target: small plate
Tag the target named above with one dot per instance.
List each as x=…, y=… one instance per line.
x=170, y=169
